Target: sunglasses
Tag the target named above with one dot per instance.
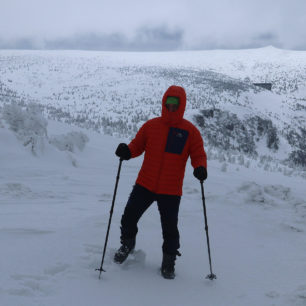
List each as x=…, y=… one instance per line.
x=172, y=100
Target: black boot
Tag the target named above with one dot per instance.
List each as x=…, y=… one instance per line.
x=123, y=252
x=167, y=268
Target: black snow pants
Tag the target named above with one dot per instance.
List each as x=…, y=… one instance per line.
x=168, y=205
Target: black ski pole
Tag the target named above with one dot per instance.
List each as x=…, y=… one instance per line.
x=210, y=276
x=110, y=219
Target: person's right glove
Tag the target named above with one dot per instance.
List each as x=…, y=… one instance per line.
x=200, y=173
x=123, y=151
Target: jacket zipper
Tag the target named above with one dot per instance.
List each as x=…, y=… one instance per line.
x=162, y=162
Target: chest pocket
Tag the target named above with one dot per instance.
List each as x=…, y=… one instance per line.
x=176, y=140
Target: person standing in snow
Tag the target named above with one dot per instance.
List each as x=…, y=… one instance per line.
x=167, y=141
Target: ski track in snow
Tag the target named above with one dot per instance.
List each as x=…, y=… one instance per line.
x=53, y=228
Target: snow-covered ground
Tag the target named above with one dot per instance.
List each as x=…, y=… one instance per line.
x=55, y=198
x=54, y=210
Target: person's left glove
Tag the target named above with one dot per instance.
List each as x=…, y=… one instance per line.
x=123, y=151
x=200, y=173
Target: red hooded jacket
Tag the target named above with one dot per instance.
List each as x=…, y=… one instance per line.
x=168, y=141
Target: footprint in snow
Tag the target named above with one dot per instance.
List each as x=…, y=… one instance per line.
x=21, y=191
x=93, y=249
x=298, y=297
x=136, y=258
x=29, y=285
x=189, y=190
x=291, y=228
x=266, y=196
x=272, y=294
x=16, y=190
x=105, y=197
x=58, y=268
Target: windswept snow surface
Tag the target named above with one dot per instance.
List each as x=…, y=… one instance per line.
x=54, y=216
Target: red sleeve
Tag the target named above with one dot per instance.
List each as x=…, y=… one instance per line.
x=137, y=145
x=197, y=152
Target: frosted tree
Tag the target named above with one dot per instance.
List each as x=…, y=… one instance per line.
x=70, y=141
x=28, y=123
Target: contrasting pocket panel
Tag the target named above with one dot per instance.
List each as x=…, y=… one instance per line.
x=176, y=140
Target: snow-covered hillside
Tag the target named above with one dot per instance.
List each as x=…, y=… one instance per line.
x=116, y=92
x=62, y=115
x=53, y=220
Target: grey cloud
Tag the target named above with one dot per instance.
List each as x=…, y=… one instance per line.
x=89, y=41
x=22, y=43
x=157, y=25
x=265, y=39
x=145, y=39
x=244, y=42
x=157, y=39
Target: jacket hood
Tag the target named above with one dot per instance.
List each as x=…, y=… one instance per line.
x=173, y=118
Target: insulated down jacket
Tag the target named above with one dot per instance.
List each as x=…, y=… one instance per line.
x=168, y=141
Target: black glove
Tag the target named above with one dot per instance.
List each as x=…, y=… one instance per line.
x=123, y=151
x=200, y=173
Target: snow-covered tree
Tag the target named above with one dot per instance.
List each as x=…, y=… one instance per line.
x=28, y=123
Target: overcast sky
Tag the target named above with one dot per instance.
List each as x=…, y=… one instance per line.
x=152, y=25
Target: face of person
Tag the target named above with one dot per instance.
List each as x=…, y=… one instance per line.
x=172, y=107
x=172, y=103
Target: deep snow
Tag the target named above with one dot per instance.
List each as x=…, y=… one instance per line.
x=53, y=220
x=54, y=207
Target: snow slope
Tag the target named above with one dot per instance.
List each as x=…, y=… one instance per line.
x=54, y=214
x=115, y=92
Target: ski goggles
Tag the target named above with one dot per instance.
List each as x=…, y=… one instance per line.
x=172, y=100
